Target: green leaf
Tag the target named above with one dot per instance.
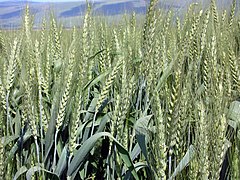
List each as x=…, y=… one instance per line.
x=234, y=111
x=97, y=122
x=96, y=80
x=35, y=169
x=141, y=126
x=93, y=56
x=166, y=73
x=82, y=152
x=49, y=138
x=184, y=162
x=91, y=109
x=137, y=166
x=233, y=124
x=140, y=165
x=6, y=140
x=17, y=123
x=82, y=127
x=141, y=139
x=135, y=152
x=62, y=162
x=14, y=149
x=103, y=122
x=21, y=171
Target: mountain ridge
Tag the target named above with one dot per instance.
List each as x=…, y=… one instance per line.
x=69, y=12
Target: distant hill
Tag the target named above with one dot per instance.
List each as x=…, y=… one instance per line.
x=69, y=13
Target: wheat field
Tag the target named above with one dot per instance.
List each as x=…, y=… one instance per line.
x=157, y=99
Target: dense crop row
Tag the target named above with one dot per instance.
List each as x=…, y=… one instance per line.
x=155, y=100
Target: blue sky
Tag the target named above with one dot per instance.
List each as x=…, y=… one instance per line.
x=57, y=0
x=61, y=0
x=64, y=0
x=54, y=0
x=49, y=0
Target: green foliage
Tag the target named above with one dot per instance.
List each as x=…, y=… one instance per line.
x=152, y=100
